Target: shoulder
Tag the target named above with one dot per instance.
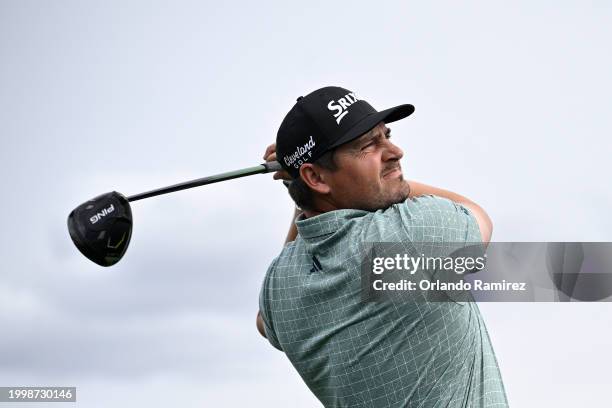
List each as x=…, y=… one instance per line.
x=281, y=261
x=426, y=208
x=423, y=218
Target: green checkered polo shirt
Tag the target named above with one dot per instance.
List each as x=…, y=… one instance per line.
x=353, y=353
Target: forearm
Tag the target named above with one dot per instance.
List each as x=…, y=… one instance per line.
x=260, y=325
x=292, y=233
x=419, y=189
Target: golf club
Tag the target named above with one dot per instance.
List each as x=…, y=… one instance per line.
x=101, y=228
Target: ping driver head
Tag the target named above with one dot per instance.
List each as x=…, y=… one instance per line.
x=101, y=228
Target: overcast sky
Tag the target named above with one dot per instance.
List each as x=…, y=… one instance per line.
x=512, y=110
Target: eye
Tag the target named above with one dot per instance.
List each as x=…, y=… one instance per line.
x=368, y=145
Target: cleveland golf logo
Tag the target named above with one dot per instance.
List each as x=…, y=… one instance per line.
x=105, y=211
x=341, y=106
x=296, y=159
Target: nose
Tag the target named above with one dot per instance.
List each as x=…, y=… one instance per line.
x=392, y=152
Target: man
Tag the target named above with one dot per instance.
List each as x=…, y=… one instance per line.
x=347, y=179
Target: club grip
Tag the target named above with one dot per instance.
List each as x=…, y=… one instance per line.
x=272, y=166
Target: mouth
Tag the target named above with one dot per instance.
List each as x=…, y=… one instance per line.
x=392, y=173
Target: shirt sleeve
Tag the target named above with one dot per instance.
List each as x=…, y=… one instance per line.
x=431, y=218
x=265, y=311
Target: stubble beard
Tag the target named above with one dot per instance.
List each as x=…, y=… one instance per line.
x=388, y=198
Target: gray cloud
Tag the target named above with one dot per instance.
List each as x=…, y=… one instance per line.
x=512, y=110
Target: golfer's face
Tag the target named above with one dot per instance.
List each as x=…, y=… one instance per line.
x=369, y=174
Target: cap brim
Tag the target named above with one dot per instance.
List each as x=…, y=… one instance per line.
x=370, y=121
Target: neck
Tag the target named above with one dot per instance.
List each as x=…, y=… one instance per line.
x=321, y=206
x=311, y=213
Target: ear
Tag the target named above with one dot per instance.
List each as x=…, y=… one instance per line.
x=313, y=177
